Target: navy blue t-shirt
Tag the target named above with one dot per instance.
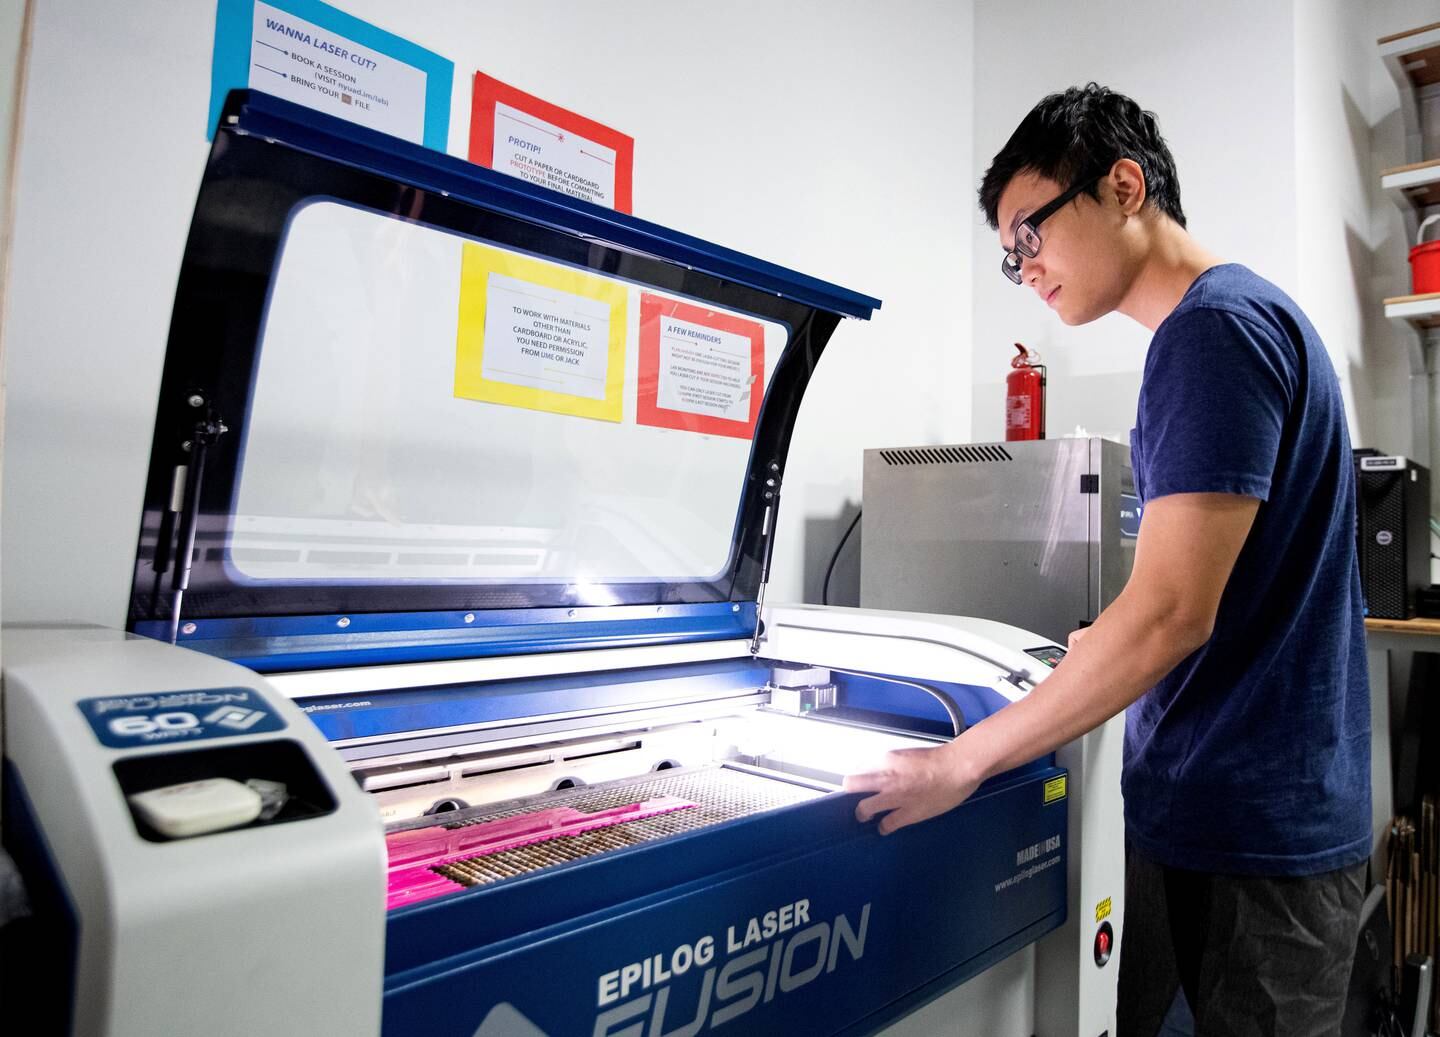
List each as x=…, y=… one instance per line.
x=1253, y=755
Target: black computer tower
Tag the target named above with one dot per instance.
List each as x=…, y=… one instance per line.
x=1393, y=531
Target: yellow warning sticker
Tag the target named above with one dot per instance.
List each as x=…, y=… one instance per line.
x=1102, y=910
x=1055, y=788
x=539, y=335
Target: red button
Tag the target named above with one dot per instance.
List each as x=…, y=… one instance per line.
x=1103, y=942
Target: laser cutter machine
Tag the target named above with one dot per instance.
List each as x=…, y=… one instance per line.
x=475, y=722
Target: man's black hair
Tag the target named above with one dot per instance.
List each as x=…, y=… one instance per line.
x=1083, y=130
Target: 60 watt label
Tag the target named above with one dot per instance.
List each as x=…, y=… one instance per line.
x=131, y=721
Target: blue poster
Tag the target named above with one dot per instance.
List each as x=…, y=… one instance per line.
x=313, y=54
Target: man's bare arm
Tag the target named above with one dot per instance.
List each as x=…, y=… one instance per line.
x=1187, y=548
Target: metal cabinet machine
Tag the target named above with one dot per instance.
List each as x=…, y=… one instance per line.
x=1040, y=534
x=450, y=703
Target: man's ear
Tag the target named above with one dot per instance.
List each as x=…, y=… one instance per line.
x=1127, y=180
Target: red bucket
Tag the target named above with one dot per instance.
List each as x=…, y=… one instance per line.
x=1425, y=261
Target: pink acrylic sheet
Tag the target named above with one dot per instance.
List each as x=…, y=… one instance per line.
x=415, y=854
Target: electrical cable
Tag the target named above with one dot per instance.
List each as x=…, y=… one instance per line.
x=830, y=569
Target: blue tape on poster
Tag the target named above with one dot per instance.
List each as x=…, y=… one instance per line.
x=132, y=721
x=313, y=54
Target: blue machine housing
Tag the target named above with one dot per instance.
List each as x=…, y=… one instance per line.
x=892, y=922
x=343, y=718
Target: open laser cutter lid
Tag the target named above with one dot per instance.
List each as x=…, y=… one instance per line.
x=462, y=414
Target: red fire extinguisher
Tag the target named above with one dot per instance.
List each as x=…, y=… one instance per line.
x=1025, y=396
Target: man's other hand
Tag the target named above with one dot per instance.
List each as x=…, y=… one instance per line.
x=914, y=785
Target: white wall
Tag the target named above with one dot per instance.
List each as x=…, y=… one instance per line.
x=1224, y=101
x=825, y=136
x=1333, y=177
x=12, y=81
x=12, y=26
x=845, y=140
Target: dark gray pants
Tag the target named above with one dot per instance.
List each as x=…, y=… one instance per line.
x=1268, y=957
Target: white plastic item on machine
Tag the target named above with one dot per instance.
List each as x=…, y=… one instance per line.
x=197, y=807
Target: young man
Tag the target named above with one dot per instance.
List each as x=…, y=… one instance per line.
x=1238, y=643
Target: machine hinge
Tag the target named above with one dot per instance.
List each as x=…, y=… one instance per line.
x=206, y=430
x=1089, y=484
x=767, y=545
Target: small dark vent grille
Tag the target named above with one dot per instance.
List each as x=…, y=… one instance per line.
x=945, y=455
x=1382, y=566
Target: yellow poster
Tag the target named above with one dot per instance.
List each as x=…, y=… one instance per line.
x=539, y=335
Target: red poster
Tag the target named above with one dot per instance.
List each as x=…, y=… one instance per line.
x=517, y=133
x=700, y=370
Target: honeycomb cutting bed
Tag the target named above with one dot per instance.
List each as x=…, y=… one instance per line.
x=719, y=794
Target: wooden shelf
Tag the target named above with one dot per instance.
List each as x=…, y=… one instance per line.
x=1422, y=312
x=1407, y=33
x=1414, y=55
x=1417, y=184
x=1404, y=626
x=1413, y=61
x=1403, y=635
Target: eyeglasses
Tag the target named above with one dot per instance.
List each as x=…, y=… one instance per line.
x=1027, y=234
